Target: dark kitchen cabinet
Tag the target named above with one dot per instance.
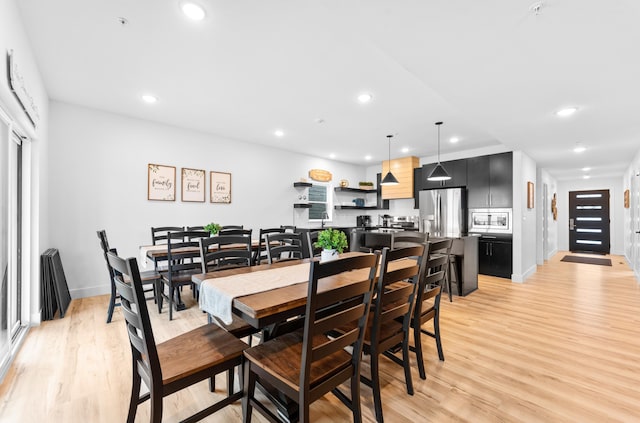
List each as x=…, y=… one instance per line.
x=495, y=256
x=457, y=169
x=490, y=181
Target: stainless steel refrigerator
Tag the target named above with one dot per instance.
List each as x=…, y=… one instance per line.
x=443, y=212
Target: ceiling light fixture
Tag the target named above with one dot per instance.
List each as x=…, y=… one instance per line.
x=566, y=112
x=438, y=173
x=368, y=157
x=579, y=148
x=332, y=156
x=454, y=140
x=405, y=150
x=193, y=11
x=148, y=98
x=586, y=177
x=389, y=179
x=279, y=133
x=365, y=98
x=586, y=169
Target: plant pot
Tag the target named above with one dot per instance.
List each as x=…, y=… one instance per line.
x=327, y=255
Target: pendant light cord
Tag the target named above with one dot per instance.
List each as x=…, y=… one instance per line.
x=389, y=163
x=438, y=125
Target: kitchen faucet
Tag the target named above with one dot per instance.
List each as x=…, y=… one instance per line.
x=325, y=215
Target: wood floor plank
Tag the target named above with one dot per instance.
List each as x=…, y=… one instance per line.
x=562, y=347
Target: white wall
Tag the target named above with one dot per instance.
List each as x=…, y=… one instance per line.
x=615, y=187
x=631, y=225
x=544, y=214
x=13, y=37
x=98, y=180
x=525, y=223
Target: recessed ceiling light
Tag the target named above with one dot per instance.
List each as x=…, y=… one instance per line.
x=193, y=11
x=405, y=150
x=579, y=148
x=567, y=111
x=332, y=156
x=148, y=98
x=279, y=133
x=586, y=169
x=454, y=140
x=367, y=157
x=365, y=98
x=586, y=177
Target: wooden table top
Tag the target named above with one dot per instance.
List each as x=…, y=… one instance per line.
x=264, y=308
x=155, y=253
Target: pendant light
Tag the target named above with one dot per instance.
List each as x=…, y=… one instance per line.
x=438, y=173
x=389, y=179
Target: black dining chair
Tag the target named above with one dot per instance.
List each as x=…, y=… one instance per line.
x=306, y=364
x=312, y=238
x=260, y=255
x=427, y=304
x=229, y=252
x=150, y=277
x=284, y=246
x=177, y=363
x=183, y=256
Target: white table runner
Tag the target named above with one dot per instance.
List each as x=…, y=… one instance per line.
x=217, y=294
x=144, y=261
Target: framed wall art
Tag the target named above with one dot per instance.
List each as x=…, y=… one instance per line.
x=193, y=189
x=530, y=195
x=161, y=182
x=220, y=186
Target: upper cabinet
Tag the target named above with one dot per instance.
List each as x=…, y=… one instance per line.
x=402, y=169
x=490, y=181
x=457, y=169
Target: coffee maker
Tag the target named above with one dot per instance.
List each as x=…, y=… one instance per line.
x=363, y=221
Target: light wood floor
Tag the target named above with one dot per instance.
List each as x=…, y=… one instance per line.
x=562, y=347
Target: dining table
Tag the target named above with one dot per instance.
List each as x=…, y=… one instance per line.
x=264, y=303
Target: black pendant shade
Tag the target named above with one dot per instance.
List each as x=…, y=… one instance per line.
x=389, y=179
x=438, y=173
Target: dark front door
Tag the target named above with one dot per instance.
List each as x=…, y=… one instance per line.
x=589, y=221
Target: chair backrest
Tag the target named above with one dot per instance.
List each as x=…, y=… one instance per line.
x=408, y=239
x=183, y=248
x=329, y=310
x=136, y=316
x=104, y=244
x=434, y=277
x=235, y=231
x=230, y=251
x=283, y=246
x=159, y=235
x=312, y=237
x=261, y=252
x=395, y=300
x=194, y=228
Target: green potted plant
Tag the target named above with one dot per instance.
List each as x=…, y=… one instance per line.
x=332, y=242
x=212, y=228
x=365, y=185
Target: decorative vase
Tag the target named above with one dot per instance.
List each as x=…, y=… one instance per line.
x=326, y=255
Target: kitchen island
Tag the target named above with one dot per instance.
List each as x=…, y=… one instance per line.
x=464, y=261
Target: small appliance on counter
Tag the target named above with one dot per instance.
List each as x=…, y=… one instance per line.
x=363, y=221
x=407, y=223
x=385, y=220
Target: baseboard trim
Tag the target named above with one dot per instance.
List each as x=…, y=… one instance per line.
x=520, y=278
x=91, y=291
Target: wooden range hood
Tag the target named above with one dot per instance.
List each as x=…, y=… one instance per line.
x=402, y=169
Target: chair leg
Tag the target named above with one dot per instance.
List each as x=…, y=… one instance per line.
x=356, y=408
x=230, y=380
x=160, y=296
x=407, y=365
x=170, y=300
x=249, y=388
x=112, y=302
x=135, y=395
x=436, y=332
x=375, y=386
x=156, y=408
x=417, y=342
x=212, y=383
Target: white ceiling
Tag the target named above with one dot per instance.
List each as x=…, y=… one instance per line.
x=492, y=70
